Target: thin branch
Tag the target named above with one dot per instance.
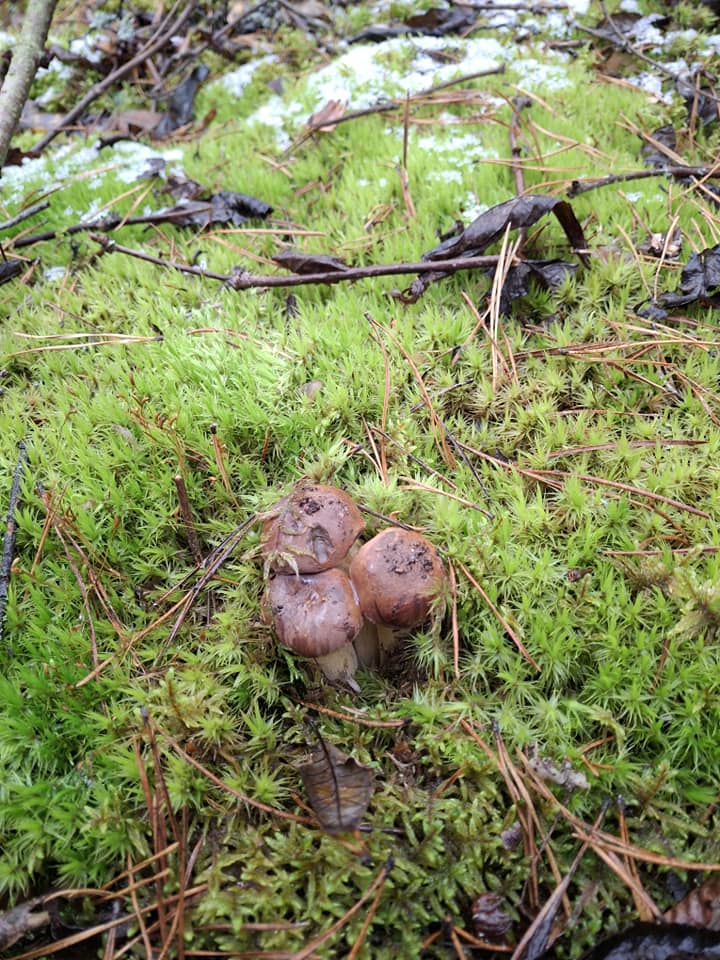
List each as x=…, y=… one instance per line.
x=242, y=280
x=23, y=66
x=675, y=170
x=25, y=214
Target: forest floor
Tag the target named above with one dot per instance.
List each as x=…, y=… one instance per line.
x=214, y=287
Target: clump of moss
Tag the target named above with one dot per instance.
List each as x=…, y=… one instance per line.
x=563, y=477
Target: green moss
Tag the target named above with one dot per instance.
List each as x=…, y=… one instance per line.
x=627, y=646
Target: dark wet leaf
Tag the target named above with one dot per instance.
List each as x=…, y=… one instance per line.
x=309, y=263
x=699, y=283
x=438, y=22
x=338, y=787
x=489, y=227
x=489, y=919
x=700, y=99
x=379, y=33
x=226, y=206
x=181, y=101
x=10, y=269
x=700, y=908
x=518, y=212
x=183, y=188
x=545, y=273
x=651, y=941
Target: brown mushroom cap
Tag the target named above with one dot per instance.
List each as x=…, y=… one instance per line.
x=311, y=530
x=397, y=575
x=314, y=614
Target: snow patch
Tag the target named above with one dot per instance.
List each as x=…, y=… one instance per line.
x=368, y=73
x=126, y=160
x=236, y=81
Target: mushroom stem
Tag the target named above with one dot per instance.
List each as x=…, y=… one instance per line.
x=341, y=665
x=366, y=646
x=389, y=639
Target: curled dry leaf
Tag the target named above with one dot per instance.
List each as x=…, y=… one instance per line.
x=338, y=787
x=700, y=908
x=489, y=919
x=309, y=263
x=324, y=118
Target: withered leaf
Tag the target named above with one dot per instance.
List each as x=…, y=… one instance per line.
x=700, y=908
x=309, y=263
x=546, y=273
x=655, y=941
x=10, y=269
x=662, y=245
x=699, y=283
x=517, y=212
x=226, y=206
x=438, y=21
x=338, y=787
x=324, y=118
x=181, y=103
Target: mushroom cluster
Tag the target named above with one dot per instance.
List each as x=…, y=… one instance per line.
x=329, y=599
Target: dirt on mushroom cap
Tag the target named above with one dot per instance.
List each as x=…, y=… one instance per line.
x=397, y=575
x=311, y=530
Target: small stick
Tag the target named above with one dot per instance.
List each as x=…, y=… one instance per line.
x=384, y=106
x=674, y=170
x=454, y=621
x=10, y=530
x=248, y=281
x=25, y=214
x=518, y=104
x=192, y=536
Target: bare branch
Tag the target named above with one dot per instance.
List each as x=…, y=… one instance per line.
x=242, y=280
x=24, y=64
